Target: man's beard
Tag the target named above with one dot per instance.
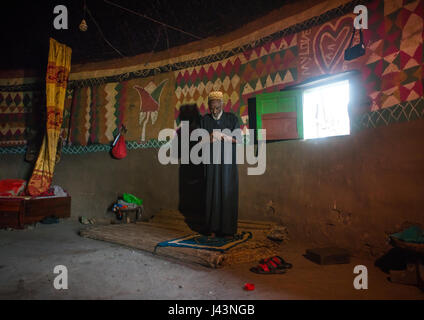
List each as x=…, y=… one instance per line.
x=216, y=113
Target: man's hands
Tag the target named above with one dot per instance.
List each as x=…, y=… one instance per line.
x=219, y=136
x=216, y=136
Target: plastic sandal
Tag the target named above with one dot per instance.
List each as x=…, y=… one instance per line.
x=280, y=262
x=268, y=268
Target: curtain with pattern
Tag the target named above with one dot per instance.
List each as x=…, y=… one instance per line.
x=58, y=68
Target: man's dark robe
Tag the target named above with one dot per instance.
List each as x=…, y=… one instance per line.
x=221, y=181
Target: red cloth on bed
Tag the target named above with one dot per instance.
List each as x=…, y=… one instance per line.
x=12, y=187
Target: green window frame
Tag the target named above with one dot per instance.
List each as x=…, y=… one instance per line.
x=282, y=106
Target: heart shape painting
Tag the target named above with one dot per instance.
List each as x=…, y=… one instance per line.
x=330, y=42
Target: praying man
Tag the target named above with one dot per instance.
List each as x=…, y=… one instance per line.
x=221, y=179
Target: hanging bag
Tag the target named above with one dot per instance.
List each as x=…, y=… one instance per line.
x=119, y=147
x=355, y=51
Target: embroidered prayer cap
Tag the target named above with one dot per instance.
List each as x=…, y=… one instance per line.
x=215, y=95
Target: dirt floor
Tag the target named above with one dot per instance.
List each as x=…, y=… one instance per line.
x=99, y=270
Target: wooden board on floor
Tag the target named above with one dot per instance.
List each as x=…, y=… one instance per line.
x=145, y=236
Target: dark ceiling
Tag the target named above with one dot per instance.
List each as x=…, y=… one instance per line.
x=27, y=25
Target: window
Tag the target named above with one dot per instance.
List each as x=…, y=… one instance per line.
x=325, y=110
x=280, y=114
x=317, y=108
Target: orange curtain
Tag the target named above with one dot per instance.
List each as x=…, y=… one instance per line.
x=58, y=68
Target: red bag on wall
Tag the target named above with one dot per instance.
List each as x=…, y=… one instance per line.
x=119, y=148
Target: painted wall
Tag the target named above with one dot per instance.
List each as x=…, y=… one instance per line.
x=146, y=95
x=349, y=191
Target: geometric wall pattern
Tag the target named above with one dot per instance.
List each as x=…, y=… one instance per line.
x=15, y=116
x=406, y=111
x=391, y=70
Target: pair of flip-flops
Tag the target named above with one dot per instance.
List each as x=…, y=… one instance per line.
x=272, y=265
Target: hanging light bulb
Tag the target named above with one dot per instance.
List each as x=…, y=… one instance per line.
x=83, y=25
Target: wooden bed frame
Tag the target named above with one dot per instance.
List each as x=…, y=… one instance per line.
x=16, y=212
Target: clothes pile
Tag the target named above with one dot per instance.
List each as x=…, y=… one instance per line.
x=413, y=234
x=128, y=202
x=17, y=187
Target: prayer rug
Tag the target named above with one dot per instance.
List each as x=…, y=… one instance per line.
x=197, y=241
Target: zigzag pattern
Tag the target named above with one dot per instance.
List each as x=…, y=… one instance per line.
x=210, y=72
x=117, y=112
x=273, y=46
x=393, y=72
x=193, y=85
x=10, y=131
x=87, y=117
x=15, y=99
x=14, y=110
x=111, y=93
x=199, y=94
x=406, y=111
